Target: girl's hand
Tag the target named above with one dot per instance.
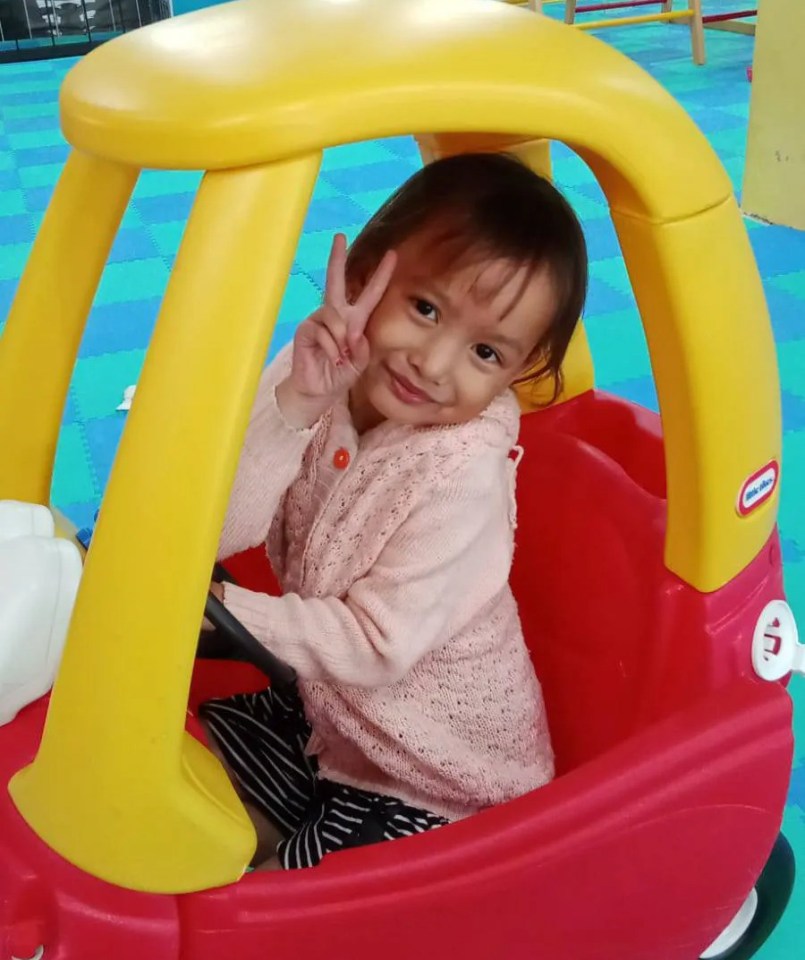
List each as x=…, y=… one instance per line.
x=330, y=348
x=217, y=590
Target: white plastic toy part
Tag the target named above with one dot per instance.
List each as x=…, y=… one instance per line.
x=776, y=650
x=24, y=520
x=39, y=578
x=128, y=397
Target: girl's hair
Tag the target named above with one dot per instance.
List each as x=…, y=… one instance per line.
x=489, y=206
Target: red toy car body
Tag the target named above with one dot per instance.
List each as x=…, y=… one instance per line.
x=673, y=763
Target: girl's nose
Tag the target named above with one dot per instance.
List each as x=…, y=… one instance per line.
x=434, y=359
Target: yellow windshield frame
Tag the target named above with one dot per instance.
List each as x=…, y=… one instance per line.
x=252, y=92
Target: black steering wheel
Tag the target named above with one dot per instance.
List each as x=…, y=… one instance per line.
x=232, y=641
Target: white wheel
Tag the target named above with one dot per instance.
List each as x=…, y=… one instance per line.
x=740, y=924
x=37, y=955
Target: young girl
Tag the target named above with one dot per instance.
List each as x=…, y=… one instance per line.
x=378, y=470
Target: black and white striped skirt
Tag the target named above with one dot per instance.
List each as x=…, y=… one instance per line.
x=263, y=737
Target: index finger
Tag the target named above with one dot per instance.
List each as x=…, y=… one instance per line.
x=377, y=285
x=335, y=286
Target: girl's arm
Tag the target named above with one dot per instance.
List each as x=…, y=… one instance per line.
x=329, y=354
x=269, y=462
x=450, y=558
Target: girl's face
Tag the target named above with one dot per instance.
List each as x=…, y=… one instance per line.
x=446, y=341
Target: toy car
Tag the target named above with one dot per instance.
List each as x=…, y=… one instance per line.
x=647, y=570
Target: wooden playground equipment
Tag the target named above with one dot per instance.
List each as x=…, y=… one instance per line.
x=690, y=14
x=732, y=21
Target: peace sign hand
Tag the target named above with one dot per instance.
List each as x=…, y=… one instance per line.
x=330, y=348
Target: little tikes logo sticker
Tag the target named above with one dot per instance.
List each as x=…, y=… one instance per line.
x=758, y=488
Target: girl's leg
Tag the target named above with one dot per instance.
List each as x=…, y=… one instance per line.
x=261, y=739
x=342, y=818
x=268, y=836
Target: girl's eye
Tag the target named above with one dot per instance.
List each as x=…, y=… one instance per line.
x=486, y=353
x=425, y=309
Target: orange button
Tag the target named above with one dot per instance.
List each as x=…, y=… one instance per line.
x=341, y=458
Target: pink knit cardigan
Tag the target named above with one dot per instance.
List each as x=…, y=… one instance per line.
x=393, y=550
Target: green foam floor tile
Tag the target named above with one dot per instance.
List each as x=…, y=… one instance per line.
x=42, y=175
x=729, y=142
x=167, y=236
x=791, y=361
x=681, y=84
x=314, y=250
x=371, y=200
x=612, y=271
x=98, y=384
x=735, y=171
x=794, y=574
x=797, y=690
x=133, y=280
x=36, y=138
x=355, y=154
x=27, y=85
x=570, y=170
x=12, y=202
x=27, y=110
x=324, y=190
x=793, y=283
x=72, y=476
x=631, y=358
x=737, y=109
x=131, y=218
x=160, y=183
x=792, y=498
x=13, y=257
x=585, y=207
x=301, y=298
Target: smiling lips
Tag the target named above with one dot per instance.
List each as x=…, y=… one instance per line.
x=405, y=391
